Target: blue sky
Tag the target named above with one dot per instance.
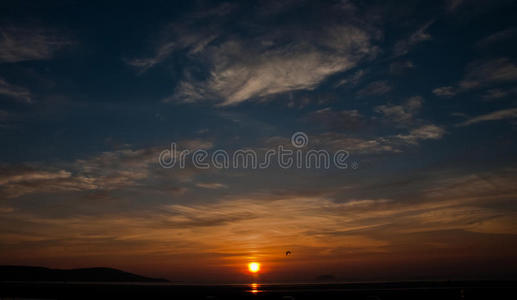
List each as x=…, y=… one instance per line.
x=421, y=94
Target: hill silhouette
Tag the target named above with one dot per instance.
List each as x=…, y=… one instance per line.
x=27, y=273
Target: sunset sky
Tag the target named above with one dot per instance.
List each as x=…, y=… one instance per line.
x=422, y=95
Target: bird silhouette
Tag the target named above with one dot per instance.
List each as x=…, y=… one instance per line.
x=287, y=252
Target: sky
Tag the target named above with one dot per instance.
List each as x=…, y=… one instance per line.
x=420, y=95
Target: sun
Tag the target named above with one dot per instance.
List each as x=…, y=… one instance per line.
x=254, y=267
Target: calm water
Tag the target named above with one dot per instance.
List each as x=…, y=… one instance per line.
x=402, y=290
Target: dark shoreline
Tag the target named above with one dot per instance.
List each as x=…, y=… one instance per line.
x=42, y=274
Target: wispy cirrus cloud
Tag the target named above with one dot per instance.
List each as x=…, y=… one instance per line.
x=445, y=91
x=497, y=37
x=19, y=180
x=318, y=225
x=211, y=185
x=6, y=209
x=336, y=120
x=3, y=115
x=25, y=43
x=403, y=113
x=510, y=113
x=403, y=46
x=352, y=79
x=377, y=144
x=452, y=5
x=426, y=132
x=241, y=67
x=400, y=67
x=380, y=87
x=15, y=92
x=178, y=38
x=33, y=175
x=357, y=145
x=278, y=68
x=143, y=64
x=499, y=93
x=480, y=74
x=106, y=171
x=385, y=144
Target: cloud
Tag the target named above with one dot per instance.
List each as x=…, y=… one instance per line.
x=23, y=44
x=401, y=113
x=335, y=141
x=319, y=226
x=177, y=39
x=399, y=67
x=179, y=36
x=227, y=227
x=499, y=93
x=143, y=64
x=495, y=94
x=15, y=92
x=452, y=5
x=440, y=212
x=380, y=87
x=364, y=145
x=194, y=144
x=6, y=210
x=21, y=180
x=298, y=66
x=108, y=171
x=482, y=73
x=445, y=91
x=497, y=37
x=489, y=186
x=509, y=113
x=352, y=79
x=232, y=67
x=336, y=120
x=403, y=47
x=29, y=175
x=426, y=132
x=212, y=185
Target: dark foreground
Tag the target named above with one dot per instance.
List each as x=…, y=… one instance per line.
x=407, y=290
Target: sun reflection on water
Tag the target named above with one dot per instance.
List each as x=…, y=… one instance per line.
x=254, y=288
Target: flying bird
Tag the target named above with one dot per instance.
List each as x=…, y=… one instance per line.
x=287, y=252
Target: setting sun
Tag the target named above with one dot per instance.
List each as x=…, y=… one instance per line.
x=254, y=267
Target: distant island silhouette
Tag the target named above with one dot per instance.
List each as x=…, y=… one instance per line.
x=29, y=273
